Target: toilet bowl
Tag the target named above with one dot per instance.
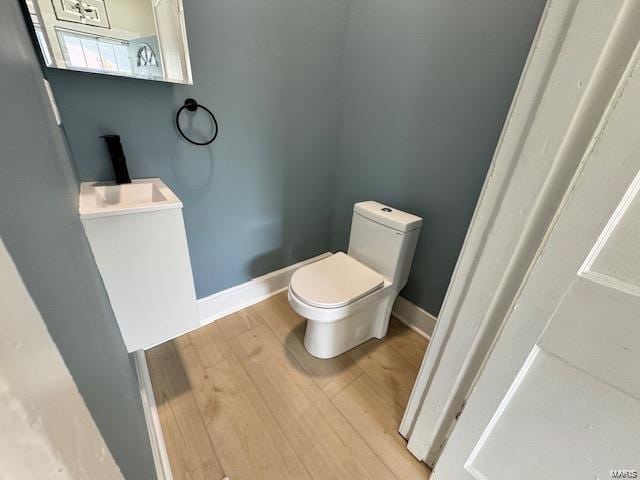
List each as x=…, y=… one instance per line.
x=347, y=297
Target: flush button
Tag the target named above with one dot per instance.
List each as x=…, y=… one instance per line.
x=387, y=209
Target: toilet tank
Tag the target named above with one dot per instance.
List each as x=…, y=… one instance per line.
x=384, y=239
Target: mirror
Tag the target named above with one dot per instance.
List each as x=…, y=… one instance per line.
x=132, y=38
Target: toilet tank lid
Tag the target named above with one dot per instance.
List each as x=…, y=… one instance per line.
x=388, y=216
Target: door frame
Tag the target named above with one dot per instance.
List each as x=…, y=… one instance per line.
x=601, y=189
x=564, y=90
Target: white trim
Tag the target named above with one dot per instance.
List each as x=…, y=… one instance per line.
x=236, y=298
x=158, y=448
x=468, y=465
x=417, y=319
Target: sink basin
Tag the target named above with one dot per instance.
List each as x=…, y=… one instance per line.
x=129, y=195
x=98, y=199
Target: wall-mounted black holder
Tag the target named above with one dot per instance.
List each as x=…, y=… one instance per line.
x=191, y=105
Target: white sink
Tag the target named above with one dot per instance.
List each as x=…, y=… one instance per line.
x=99, y=199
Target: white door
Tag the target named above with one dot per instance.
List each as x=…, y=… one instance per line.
x=559, y=395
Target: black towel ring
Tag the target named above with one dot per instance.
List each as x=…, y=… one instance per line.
x=191, y=105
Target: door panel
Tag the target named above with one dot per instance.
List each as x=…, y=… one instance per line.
x=597, y=329
x=614, y=260
x=573, y=411
x=557, y=422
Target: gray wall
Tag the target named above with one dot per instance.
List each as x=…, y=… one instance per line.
x=40, y=227
x=321, y=104
x=426, y=88
x=260, y=197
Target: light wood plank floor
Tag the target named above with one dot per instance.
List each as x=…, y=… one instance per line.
x=243, y=398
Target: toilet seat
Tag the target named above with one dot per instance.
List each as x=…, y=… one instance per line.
x=334, y=282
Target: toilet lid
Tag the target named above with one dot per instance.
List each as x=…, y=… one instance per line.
x=334, y=281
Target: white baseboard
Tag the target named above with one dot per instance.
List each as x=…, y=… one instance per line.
x=158, y=448
x=414, y=317
x=228, y=301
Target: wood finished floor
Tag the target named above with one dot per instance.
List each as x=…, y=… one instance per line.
x=242, y=397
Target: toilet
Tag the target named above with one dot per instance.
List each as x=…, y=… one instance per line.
x=347, y=298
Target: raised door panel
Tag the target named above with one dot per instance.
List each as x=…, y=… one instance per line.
x=558, y=422
x=573, y=411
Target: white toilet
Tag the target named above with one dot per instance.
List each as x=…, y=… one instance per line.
x=347, y=298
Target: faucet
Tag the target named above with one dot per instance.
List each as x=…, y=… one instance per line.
x=118, y=159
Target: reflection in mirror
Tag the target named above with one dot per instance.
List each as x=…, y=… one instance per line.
x=133, y=38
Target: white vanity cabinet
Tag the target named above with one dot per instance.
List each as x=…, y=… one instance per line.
x=136, y=232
